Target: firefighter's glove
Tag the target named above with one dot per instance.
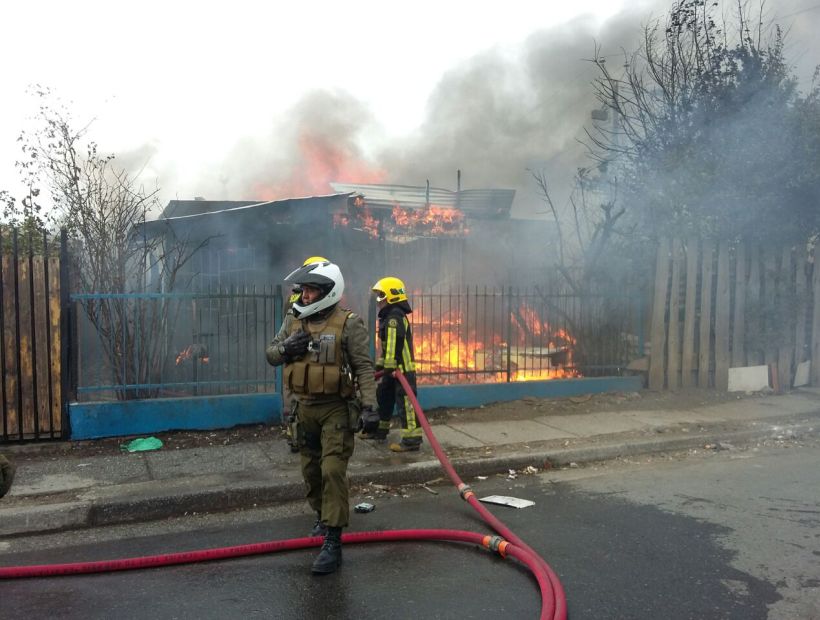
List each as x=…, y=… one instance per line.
x=369, y=420
x=295, y=346
x=379, y=365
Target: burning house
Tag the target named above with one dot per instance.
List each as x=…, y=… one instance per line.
x=429, y=237
x=460, y=253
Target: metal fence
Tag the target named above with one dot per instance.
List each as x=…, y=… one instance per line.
x=486, y=335
x=161, y=345
x=166, y=345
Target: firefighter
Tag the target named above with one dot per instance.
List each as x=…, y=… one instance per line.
x=396, y=339
x=7, y=470
x=326, y=354
x=287, y=397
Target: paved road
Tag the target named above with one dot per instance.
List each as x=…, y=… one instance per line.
x=728, y=534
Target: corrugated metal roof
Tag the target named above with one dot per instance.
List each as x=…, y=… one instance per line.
x=250, y=212
x=481, y=203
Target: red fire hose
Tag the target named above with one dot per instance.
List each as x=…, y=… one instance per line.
x=553, y=602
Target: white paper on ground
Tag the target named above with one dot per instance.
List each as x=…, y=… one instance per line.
x=503, y=500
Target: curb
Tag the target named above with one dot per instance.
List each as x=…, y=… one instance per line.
x=244, y=490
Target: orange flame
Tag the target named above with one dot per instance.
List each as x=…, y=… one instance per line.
x=429, y=221
x=445, y=354
x=320, y=161
x=193, y=351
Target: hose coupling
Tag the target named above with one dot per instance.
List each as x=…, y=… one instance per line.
x=497, y=544
x=465, y=491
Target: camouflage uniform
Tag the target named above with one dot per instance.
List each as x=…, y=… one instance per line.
x=327, y=407
x=6, y=475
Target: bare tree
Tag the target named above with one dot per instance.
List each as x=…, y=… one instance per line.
x=711, y=134
x=101, y=205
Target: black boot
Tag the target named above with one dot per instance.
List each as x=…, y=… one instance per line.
x=319, y=528
x=330, y=558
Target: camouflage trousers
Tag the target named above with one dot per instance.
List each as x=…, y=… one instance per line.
x=325, y=446
x=6, y=475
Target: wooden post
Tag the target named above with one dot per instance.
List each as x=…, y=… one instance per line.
x=739, y=323
x=658, y=331
x=800, y=292
x=690, y=313
x=55, y=317
x=768, y=302
x=786, y=347
x=705, y=331
x=815, y=322
x=9, y=378
x=674, y=348
x=722, y=315
x=754, y=326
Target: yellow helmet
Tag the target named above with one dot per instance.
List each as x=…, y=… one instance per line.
x=390, y=289
x=314, y=259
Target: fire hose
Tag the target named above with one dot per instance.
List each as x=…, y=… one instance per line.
x=507, y=544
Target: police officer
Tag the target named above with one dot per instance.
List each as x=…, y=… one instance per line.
x=7, y=470
x=288, y=401
x=396, y=339
x=326, y=355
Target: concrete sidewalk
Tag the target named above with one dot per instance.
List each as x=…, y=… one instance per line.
x=69, y=492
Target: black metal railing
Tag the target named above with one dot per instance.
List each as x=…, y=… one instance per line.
x=172, y=344
x=485, y=335
x=160, y=345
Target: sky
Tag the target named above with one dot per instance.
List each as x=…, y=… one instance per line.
x=251, y=100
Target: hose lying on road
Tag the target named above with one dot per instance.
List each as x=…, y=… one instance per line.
x=553, y=602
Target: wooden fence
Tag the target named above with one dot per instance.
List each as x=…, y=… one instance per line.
x=718, y=306
x=31, y=344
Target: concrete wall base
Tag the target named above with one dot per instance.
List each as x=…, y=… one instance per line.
x=143, y=417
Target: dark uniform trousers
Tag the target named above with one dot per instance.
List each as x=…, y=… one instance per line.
x=389, y=392
x=326, y=447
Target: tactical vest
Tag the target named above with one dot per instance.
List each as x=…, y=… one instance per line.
x=323, y=371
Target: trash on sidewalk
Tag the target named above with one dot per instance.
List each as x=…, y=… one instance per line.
x=142, y=444
x=503, y=500
x=364, y=507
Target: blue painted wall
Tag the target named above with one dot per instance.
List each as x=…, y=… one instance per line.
x=141, y=417
x=475, y=395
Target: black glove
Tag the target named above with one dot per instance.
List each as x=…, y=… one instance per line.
x=295, y=345
x=369, y=419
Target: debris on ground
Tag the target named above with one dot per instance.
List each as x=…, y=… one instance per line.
x=503, y=500
x=142, y=444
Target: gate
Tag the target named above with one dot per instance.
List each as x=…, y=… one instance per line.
x=32, y=355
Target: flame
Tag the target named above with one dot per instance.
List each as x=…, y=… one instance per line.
x=445, y=354
x=193, y=351
x=429, y=221
x=320, y=160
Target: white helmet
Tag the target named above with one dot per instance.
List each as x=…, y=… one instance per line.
x=325, y=276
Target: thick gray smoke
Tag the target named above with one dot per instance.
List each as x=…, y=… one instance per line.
x=495, y=117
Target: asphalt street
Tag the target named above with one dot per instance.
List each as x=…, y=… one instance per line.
x=706, y=534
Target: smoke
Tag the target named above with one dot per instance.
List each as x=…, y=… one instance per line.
x=320, y=140
x=497, y=117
